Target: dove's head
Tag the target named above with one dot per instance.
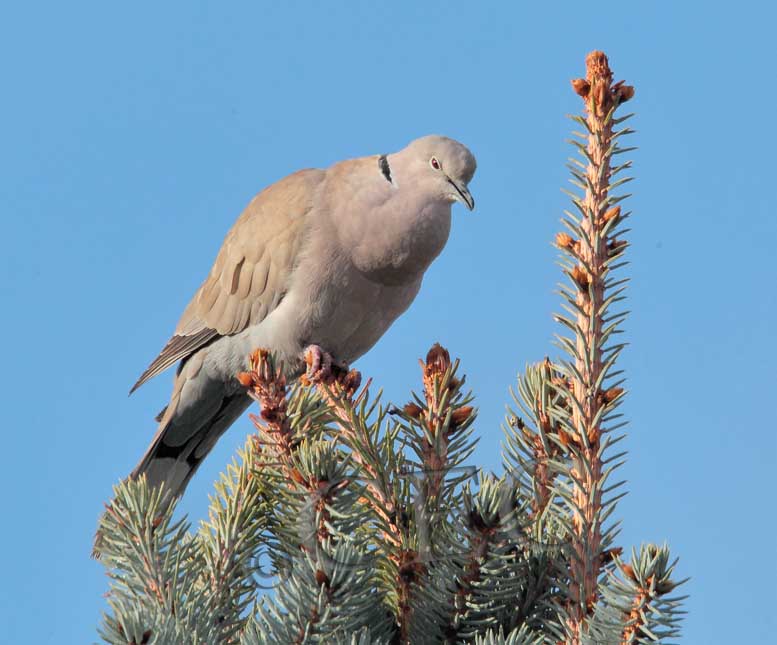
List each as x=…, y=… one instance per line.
x=441, y=166
x=405, y=219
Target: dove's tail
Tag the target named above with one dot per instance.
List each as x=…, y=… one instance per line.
x=184, y=439
x=198, y=414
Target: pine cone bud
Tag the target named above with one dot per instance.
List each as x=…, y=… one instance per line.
x=613, y=213
x=581, y=86
x=438, y=360
x=612, y=394
x=412, y=410
x=460, y=415
x=564, y=240
x=246, y=379
x=580, y=276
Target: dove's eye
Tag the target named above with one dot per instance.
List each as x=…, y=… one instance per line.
x=434, y=163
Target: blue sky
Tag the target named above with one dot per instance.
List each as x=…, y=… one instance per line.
x=133, y=135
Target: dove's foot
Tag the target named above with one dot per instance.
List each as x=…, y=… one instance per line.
x=322, y=369
x=319, y=364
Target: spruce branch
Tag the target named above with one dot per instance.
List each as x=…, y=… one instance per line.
x=266, y=384
x=136, y=535
x=362, y=439
x=384, y=493
x=308, y=483
x=491, y=583
x=536, y=453
x=230, y=541
x=518, y=636
x=437, y=428
x=328, y=597
x=155, y=569
x=653, y=615
x=591, y=396
x=444, y=441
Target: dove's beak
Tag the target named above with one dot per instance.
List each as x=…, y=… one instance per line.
x=464, y=195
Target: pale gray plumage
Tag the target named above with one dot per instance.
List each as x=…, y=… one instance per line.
x=326, y=257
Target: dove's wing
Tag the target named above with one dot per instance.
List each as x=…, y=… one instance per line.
x=251, y=273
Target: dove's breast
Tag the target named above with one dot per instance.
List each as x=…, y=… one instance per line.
x=359, y=313
x=345, y=313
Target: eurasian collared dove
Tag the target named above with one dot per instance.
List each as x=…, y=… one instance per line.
x=326, y=259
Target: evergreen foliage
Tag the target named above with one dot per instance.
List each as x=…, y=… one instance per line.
x=373, y=524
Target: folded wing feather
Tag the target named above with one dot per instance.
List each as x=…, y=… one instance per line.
x=251, y=272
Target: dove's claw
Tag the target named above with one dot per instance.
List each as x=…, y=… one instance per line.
x=319, y=364
x=322, y=368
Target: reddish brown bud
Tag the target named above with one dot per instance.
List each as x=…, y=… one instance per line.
x=564, y=240
x=246, y=379
x=613, y=213
x=438, y=360
x=580, y=276
x=623, y=92
x=296, y=475
x=665, y=587
x=581, y=86
x=612, y=394
x=413, y=410
x=410, y=567
x=270, y=415
x=476, y=521
x=460, y=415
x=322, y=578
x=628, y=571
x=609, y=555
x=616, y=245
x=350, y=382
x=597, y=65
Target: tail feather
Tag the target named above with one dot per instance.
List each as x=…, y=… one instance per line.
x=200, y=410
x=173, y=464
